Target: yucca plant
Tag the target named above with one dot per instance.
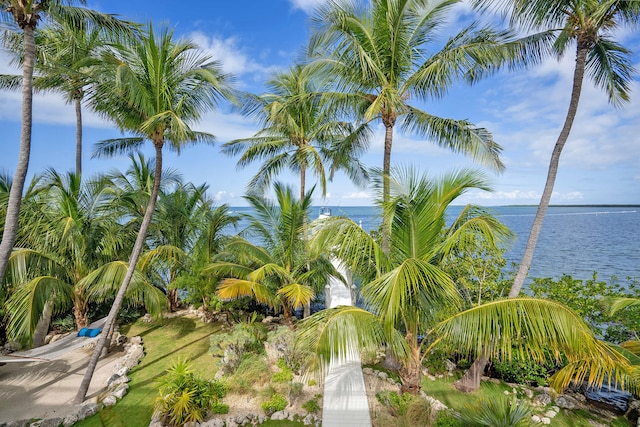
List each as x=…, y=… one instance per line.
x=185, y=397
x=496, y=413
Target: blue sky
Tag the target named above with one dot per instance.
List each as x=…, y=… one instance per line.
x=524, y=111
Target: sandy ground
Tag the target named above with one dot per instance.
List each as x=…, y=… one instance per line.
x=46, y=389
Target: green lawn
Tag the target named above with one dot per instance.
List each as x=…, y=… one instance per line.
x=164, y=341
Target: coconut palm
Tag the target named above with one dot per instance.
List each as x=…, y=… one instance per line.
x=179, y=216
x=383, y=54
x=412, y=304
x=25, y=14
x=299, y=132
x=278, y=271
x=155, y=88
x=68, y=257
x=588, y=27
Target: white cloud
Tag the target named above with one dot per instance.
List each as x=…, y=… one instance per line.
x=307, y=6
x=359, y=195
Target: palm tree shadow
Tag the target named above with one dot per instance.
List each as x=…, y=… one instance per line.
x=171, y=352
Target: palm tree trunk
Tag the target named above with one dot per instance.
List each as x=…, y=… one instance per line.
x=43, y=324
x=135, y=254
x=386, y=186
x=525, y=264
x=78, y=104
x=411, y=374
x=15, y=195
x=470, y=381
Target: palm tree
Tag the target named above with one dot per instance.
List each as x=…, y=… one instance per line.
x=412, y=305
x=300, y=133
x=383, y=54
x=26, y=14
x=279, y=271
x=586, y=26
x=69, y=256
x=173, y=233
x=153, y=87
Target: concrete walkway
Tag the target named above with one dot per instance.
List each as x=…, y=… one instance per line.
x=345, y=400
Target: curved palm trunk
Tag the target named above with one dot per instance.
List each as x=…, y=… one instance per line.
x=43, y=324
x=135, y=254
x=78, y=104
x=578, y=76
x=470, y=381
x=306, y=311
x=15, y=195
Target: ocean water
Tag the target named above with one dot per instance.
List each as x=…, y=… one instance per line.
x=575, y=240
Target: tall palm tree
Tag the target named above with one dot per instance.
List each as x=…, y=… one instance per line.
x=412, y=304
x=300, y=133
x=279, y=270
x=153, y=87
x=383, y=54
x=588, y=27
x=25, y=14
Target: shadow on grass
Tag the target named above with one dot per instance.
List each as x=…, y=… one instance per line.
x=171, y=353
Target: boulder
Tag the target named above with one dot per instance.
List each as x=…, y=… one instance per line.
x=280, y=415
x=88, y=410
x=215, y=422
x=566, y=402
x=120, y=391
x=543, y=399
x=70, y=420
x=51, y=422
x=109, y=400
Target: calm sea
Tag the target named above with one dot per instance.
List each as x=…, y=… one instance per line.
x=575, y=240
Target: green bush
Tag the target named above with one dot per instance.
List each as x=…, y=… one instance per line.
x=522, y=371
x=398, y=403
x=285, y=374
x=184, y=397
x=277, y=403
x=312, y=406
x=446, y=419
x=231, y=347
x=436, y=361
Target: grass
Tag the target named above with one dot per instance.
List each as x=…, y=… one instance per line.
x=443, y=390
x=164, y=341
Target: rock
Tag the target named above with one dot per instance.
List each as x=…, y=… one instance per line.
x=543, y=399
x=367, y=371
x=136, y=340
x=507, y=393
x=565, y=402
x=120, y=391
x=115, y=380
x=450, y=365
x=527, y=392
x=550, y=414
x=546, y=421
x=87, y=410
x=268, y=319
x=215, y=422
x=18, y=423
x=280, y=415
x=535, y=419
x=261, y=419
x=190, y=424
x=241, y=420
x=109, y=400
x=382, y=375
x=11, y=346
x=70, y=420
x=156, y=424
x=51, y=422
x=309, y=420
x=147, y=318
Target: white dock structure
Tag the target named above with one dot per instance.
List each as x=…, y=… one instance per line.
x=345, y=400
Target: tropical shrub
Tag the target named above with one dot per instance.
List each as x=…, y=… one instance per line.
x=585, y=297
x=285, y=373
x=496, y=413
x=185, y=397
x=398, y=403
x=522, y=371
x=312, y=406
x=446, y=419
x=232, y=347
x=276, y=403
